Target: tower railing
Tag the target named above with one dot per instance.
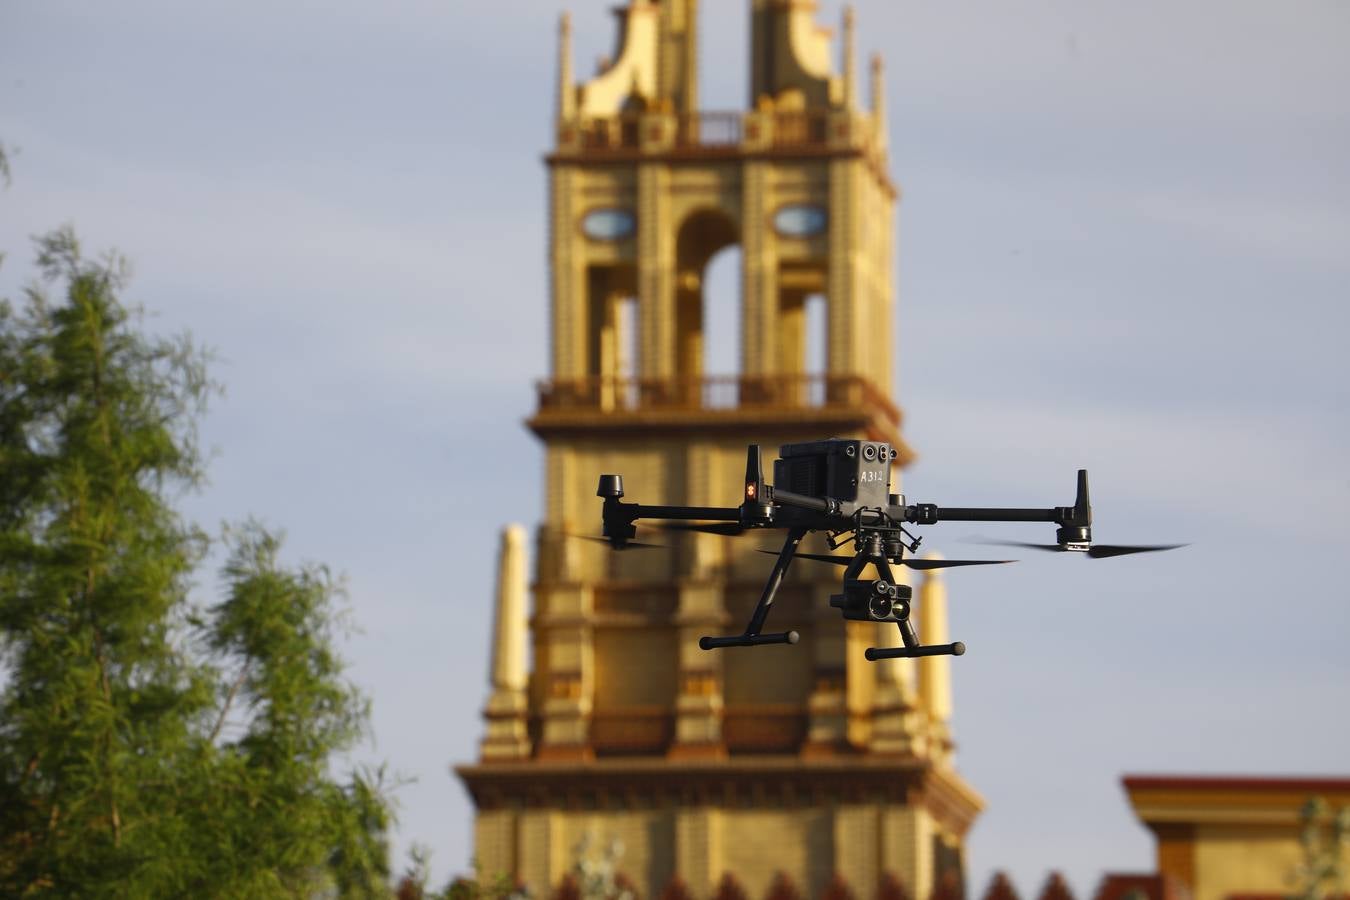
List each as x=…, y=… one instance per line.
x=800, y=129
x=705, y=129
x=710, y=129
x=611, y=132
x=615, y=393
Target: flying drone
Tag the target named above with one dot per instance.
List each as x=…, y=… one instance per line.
x=842, y=487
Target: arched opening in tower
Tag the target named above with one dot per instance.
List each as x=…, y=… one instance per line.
x=613, y=334
x=815, y=348
x=722, y=313
x=800, y=358
x=707, y=301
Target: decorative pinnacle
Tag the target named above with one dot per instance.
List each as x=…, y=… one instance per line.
x=850, y=65
x=879, y=99
x=565, y=100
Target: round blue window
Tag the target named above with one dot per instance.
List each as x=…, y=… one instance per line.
x=610, y=224
x=799, y=220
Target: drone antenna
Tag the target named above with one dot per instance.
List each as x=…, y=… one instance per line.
x=1082, y=512
x=914, y=542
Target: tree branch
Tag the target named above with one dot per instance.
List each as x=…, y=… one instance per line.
x=229, y=699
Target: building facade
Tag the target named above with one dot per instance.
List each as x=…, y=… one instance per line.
x=802, y=765
x=1242, y=838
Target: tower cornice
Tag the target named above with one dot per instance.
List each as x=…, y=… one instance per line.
x=786, y=782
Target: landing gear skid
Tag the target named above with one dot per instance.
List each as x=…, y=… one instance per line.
x=874, y=653
x=752, y=637
x=872, y=553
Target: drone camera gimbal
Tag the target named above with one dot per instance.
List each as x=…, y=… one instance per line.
x=873, y=601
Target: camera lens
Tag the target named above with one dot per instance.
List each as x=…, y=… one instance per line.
x=869, y=452
x=879, y=606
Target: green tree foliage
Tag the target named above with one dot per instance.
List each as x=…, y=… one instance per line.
x=149, y=746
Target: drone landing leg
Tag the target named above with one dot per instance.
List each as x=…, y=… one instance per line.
x=752, y=637
x=912, y=648
x=875, y=653
x=907, y=635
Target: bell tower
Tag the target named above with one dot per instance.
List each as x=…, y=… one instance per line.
x=742, y=765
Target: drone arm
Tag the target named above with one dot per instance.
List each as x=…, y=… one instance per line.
x=928, y=513
x=816, y=504
x=1075, y=522
x=618, y=517
x=713, y=513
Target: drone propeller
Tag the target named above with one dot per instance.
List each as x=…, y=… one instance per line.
x=628, y=545
x=926, y=564
x=921, y=564
x=1095, y=551
x=728, y=529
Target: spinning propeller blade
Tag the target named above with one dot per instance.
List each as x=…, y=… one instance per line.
x=1095, y=551
x=818, y=557
x=729, y=529
x=630, y=545
x=1101, y=551
x=1029, y=546
x=921, y=564
x=925, y=564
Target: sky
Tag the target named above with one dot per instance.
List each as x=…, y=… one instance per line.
x=1124, y=243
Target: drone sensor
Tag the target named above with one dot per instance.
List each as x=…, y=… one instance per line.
x=873, y=601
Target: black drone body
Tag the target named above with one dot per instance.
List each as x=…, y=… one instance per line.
x=842, y=487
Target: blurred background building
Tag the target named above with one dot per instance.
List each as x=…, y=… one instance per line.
x=1123, y=245
x=779, y=771
x=1227, y=838
x=800, y=766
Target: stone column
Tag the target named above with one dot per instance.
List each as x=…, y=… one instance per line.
x=566, y=633
x=858, y=849
x=907, y=847
x=759, y=277
x=656, y=257
x=846, y=354
x=699, y=704
x=699, y=837
x=506, y=736
x=564, y=598
x=567, y=273
x=827, y=709
x=935, y=676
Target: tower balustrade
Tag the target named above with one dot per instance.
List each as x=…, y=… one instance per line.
x=712, y=393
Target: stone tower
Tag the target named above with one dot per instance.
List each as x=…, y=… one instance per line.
x=801, y=762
